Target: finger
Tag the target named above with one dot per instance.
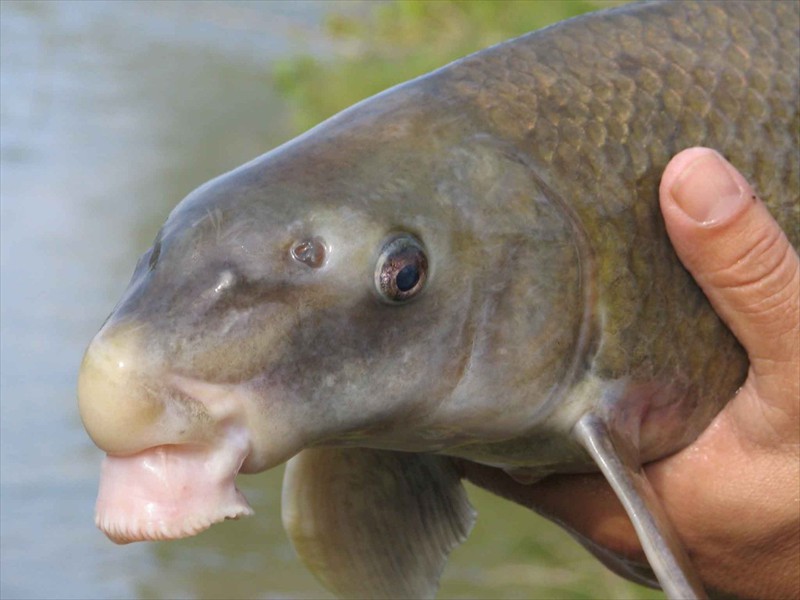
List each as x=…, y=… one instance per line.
x=584, y=504
x=736, y=252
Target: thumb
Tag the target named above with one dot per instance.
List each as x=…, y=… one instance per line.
x=744, y=263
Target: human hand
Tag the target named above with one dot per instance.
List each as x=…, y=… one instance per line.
x=734, y=494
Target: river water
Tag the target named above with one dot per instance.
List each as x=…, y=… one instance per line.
x=111, y=113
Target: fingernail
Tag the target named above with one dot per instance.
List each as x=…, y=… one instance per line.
x=707, y=190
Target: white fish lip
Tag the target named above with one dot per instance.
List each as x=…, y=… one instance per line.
x=172, y=491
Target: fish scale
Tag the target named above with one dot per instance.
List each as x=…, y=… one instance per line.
x=601, y=105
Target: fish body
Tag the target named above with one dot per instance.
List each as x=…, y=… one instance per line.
x=472, y=264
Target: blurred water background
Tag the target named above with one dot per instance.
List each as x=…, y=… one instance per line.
x=111, y=113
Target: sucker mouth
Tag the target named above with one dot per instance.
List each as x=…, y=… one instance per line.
x=172, y=491
x=124, y=531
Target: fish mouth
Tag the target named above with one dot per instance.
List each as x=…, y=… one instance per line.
x=175, y=442
x=169, y=471
x=172, y=491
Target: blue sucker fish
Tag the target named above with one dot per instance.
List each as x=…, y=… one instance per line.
x=471, y=266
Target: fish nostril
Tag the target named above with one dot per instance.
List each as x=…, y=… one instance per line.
x=310, y=252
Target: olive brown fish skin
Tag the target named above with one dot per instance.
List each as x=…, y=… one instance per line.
x=609, y=99
x=530, y=172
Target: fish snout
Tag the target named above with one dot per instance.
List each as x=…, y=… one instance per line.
x=121, y=404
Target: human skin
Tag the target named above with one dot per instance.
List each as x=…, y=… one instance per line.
x=734, y=494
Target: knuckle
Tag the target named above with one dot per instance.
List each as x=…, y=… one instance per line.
x=760, y=256
x=763, y=282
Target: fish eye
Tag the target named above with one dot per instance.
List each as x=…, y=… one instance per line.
x=402, y=268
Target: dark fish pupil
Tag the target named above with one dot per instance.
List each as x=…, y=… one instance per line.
x=401, y=270
x=407, y=278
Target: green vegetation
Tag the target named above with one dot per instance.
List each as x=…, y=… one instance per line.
x=393, y=42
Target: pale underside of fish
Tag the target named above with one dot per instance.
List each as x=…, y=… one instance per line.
x=470, y=266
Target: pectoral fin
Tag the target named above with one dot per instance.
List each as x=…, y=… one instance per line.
x=375, y=523
x=620, y=464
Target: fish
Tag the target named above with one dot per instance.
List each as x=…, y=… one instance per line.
x=470, y=266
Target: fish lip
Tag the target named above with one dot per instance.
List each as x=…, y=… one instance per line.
x=182, y=486
x=125, y=531
x=171, y=491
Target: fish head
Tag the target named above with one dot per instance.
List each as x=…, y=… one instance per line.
x=360, y=285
